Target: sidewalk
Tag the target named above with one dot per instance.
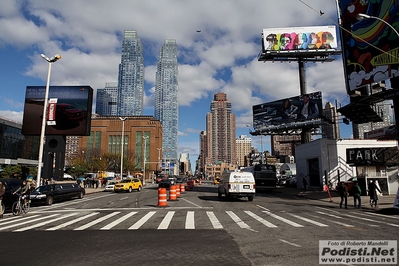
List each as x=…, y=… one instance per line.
x=385, y=202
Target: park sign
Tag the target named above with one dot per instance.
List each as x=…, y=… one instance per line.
x=372, y=156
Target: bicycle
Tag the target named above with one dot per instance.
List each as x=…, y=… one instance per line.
x=22, y=205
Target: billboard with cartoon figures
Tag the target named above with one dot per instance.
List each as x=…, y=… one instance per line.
x=370, y=46
x=68, y=110
x=291, y=112
x=299, y=38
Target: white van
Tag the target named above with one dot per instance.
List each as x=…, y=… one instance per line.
x=237, y=184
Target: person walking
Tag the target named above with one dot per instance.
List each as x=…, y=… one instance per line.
x=304, y=182
x=343, y=193
x=373, y=188
x=356, y=191
x=2, y=191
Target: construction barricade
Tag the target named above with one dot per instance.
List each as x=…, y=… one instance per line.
x=177, y=191
x=182, y=189
x=172, y=193
x=162, y=202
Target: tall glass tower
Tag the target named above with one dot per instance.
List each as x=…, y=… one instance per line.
x=166, y=99
x=131, y=76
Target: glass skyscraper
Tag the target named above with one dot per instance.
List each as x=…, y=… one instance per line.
x=131, y=76
x=107, y=99
x=166, y=99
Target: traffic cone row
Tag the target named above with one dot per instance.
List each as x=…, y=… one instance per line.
x=175, y=192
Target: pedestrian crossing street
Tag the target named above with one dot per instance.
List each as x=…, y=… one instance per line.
x=161, y=219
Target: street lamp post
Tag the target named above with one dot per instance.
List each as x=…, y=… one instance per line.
x=44, y=118
x=122, y=142
x=145, y=147
x=159, y=158
x=361, y=16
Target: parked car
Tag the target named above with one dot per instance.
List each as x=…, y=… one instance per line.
x=11, y=185
x=179, y=180
x=49, y=194
x=128, y=184
x=110, y=185
x=165, y=183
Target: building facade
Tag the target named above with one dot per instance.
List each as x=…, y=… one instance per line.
x=221, y=131
x=331, y=130
x=243, y=148
x=142, y=136
x=131, y=76
x=107, y=100
x=284, y=145
x=166, y=99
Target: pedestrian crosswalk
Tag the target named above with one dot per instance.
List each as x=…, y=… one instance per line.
x=162, y=219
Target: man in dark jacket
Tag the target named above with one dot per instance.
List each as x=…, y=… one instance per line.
x=308, y=109
x=343, y=193
x=356, y=190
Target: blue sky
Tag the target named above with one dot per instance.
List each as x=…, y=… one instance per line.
x=222, y=57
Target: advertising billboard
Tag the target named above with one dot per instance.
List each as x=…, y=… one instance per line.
x=370, y=46
x=289, y=113
x=68, y=112
x=387, y=133
x=299, y=38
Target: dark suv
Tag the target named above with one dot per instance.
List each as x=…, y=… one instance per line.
x=11, y=185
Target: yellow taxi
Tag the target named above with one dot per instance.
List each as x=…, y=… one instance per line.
x=129, y=185
x=216, y=181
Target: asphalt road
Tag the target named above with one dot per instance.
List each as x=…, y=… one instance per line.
x=197, y=229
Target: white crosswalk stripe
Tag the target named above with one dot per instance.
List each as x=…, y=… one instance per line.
x=283, y=219
x=166, y=221
x=142, y=221
x=45, y=222
x=118, y=221
x=263, y=221
x=254, y=220
x=72, y=222
x=238, y=221
x=83, y=227
x=214, y=220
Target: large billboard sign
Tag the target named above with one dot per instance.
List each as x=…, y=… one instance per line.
x=299, y=38
x=371, y=47
x=289, y=113
x=68, y=111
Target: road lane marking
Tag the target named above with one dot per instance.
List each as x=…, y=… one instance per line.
x=99, y=220
x=192, y=203
x=260, y=219
x=139, y=223
x=370, y=220
x=190, y=222
x=46, y=222
x=72, y=221
x=308, y=220
x=334, y=216
x=292, y=244
x=283, y=219
x=238, y=221
x=12, y=219
x=117, y=221
x=215, y=222
x=29, y=221
x=166, y=220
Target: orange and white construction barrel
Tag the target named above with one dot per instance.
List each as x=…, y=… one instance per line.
x=162, y=202
x=172, y=192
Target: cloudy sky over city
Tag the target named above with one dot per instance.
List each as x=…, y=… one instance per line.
x=222, y=57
